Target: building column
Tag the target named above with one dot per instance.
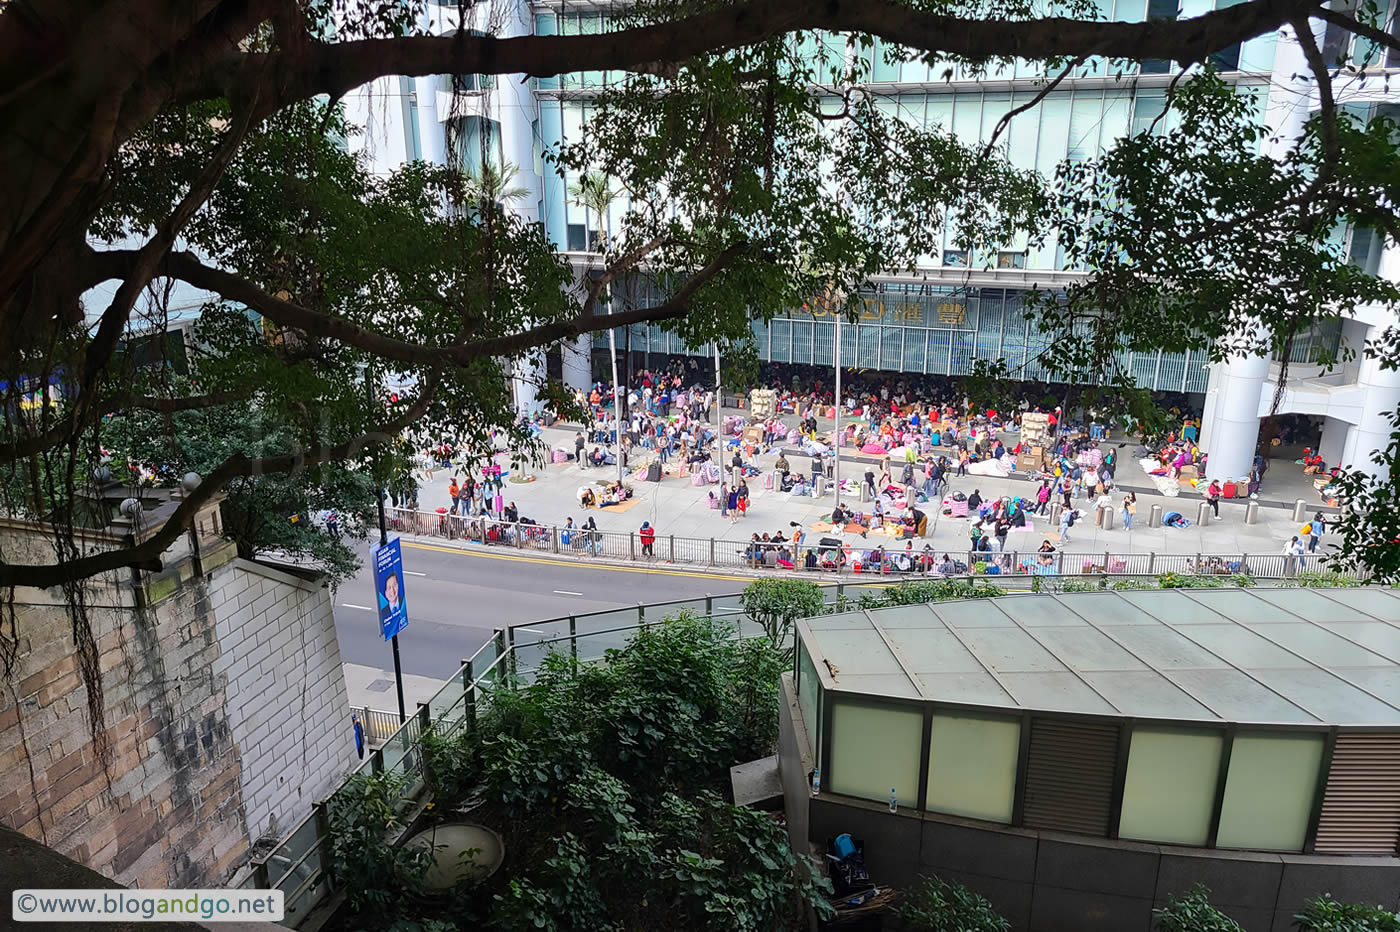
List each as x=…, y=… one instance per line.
x=1372, y=433
x=1332, y=446
x=578, y=361
x=1208, y=408
x=1234, y=430
x=1382, y=390
x=530, y=372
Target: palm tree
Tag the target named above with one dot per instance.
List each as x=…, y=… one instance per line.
x=495, y=185
x=593, y=192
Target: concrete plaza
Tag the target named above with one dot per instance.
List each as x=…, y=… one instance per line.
x=676, y=507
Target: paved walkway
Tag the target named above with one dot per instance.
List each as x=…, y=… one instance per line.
x=675, y=506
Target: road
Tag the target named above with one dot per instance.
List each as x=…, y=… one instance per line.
x=461, y=597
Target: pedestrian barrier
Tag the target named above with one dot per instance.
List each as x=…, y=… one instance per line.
x=720, y=553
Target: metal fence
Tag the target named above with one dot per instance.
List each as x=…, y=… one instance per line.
x=893, y=559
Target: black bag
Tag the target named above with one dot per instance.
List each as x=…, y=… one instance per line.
x=654, y=471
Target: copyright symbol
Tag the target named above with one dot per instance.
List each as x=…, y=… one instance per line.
x=27, y=903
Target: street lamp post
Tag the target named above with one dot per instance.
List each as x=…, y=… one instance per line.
x=384, y=542
x=836, y=434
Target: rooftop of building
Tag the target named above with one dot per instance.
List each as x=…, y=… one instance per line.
x=1263, y=655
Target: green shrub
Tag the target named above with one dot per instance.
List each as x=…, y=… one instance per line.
x=1325, y=914
x=1125, y=585
x=1080, y=585
x=363, y=818
x=1186, y=581
x=774, y=604
x=917, y=593
x=1192, y=913
x=605, y=780
x=1326, y=579
x=937, y=905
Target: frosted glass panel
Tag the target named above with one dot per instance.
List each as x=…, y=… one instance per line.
x=972, y=766
x=874, y=749
x=1170, y=787
x=1269, y=791
x=808, y=694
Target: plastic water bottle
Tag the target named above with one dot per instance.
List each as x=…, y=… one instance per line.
x=816, y=780
x=894, y=806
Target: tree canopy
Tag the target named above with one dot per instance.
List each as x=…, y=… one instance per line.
x=152, y=142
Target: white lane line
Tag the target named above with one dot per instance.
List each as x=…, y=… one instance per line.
x=363, y=608
x=412, y=573
x=566, y=592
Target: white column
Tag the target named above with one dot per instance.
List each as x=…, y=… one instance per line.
x=1235, y=428
x=1382, y=397
x=1208, y=410
x=578, y=362
x=530, y=373
x=1333, y=444
x=1382, y=390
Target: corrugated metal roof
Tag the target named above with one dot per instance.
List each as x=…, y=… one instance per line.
x=1302, y=656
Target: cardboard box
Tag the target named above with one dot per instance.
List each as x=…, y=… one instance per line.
x=1028, y=462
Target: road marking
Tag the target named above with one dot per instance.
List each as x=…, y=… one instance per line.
x=590, y=566
x=412, y=573
x=363, y=608
x=566, y=592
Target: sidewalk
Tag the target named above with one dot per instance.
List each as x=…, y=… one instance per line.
x=675, y=506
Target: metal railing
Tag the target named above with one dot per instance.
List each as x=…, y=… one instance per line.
x=300, y=865
x=585, y=544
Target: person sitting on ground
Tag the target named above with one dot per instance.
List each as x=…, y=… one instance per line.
x=781, y=466
x=512, y=514
x=1046, y=546
x=588, y=499
x=810, y=561
x=839, y=516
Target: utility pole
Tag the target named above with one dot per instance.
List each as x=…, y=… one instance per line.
x=617, y=401
x=719, y=400
x=384, y=542
x=836, y=434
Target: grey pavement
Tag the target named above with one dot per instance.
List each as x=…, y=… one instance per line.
x=675, y=506
x=463, y=596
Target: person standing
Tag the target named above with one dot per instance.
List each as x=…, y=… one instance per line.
x=1042, y=498
x=1213, y=496
x=579, y=444
x=724, y=500
x=1319, y=527
x=1066, y=522
x=1293, y=556
x=648, y=535
x=732, y=505
x=1129, y=509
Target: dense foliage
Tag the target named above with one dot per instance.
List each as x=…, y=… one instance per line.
x=608, y=783
x=938, y=905
x=1192, y=912
x=775, y=603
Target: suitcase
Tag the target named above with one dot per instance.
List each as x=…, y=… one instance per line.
x=1242, y=487
x=654, y=472
x=1229, y=491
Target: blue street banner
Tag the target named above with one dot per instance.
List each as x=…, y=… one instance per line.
x=388, y=588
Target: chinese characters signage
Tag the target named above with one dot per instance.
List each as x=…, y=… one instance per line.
x=908, y=310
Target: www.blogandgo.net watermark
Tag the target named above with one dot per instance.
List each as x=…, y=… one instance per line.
x=146, y=905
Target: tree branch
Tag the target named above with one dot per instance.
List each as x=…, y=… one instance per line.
x=623, y=263
x=146, y=555
x=1005, y=121
x=334, y=68
x=187, y=267
x=1365, y=31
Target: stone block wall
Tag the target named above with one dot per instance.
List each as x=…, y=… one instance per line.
x=225, y=718
x=165, y=809
x=287, y=704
